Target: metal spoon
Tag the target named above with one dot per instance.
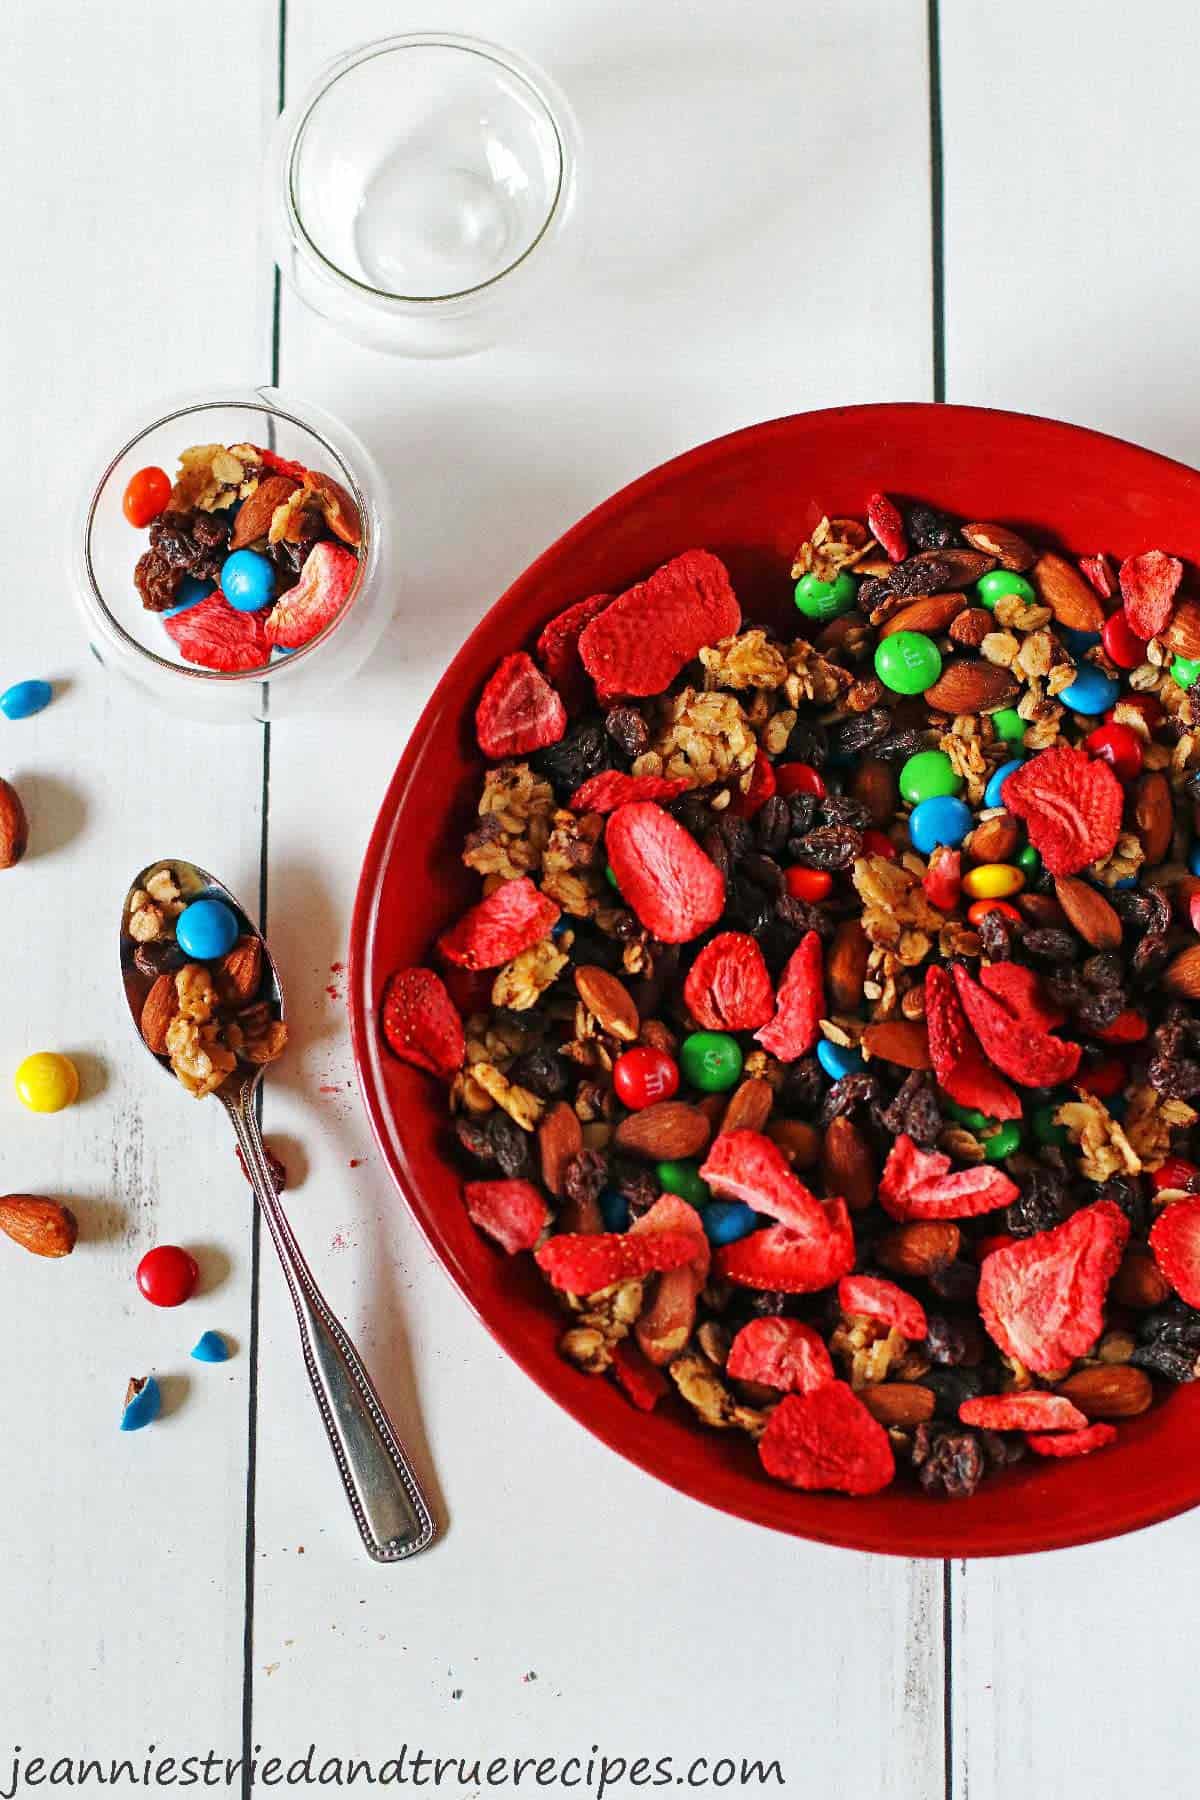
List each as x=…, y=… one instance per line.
x=385, y=1497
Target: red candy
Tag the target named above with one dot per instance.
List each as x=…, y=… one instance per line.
x=644, y=1076
x=1104, y=1078
x=979, y=909
x=421, y=1024
x=919, y=1184
x=518, y=710
x=1175, y=1173
x=1128, y=1027
x=639, y=643
x=958, y=1062
x=214, y=636
x=512, y=1212
x=808, y=884
x=1149, y=584
x=728, y=987
x=603, y=793
x=886, y=525
x=877, y=843
x=328, y=574
x=146, y=496
x=1071, y=806
x=499, y=927
x=1022, y=1412
x=558, y=650
x=167, y=1275
x=799, y=778
x=874, y=1298
x=783, y=1260
x=1148, y=705
x=1121, y=643
x=1072, y=1443
x=827, y=1439
x=1119, y=746
x=760, y=790
x=583, y=1263
x=674, y=888
x=746, y=1166
x=1030, y=1057
x=780, y=1353
x=1175, y=1241
x=799, y=1004
x=1042, y=1299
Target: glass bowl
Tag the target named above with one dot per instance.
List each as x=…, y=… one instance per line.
x=418, y=187
x=134, y=642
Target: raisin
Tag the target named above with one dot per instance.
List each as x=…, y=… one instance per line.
x=156, y=581
x=290, y=555
x=585, y=751
x=1048, y=944
x=628, y=730
x=1175, y=1078
x=951, y=1386
x=928, y=529
x=954, y=1465
x=914, y=577
x=851, y=1091
x=829, y=847
x=767, y=1304
x=475, y=1138
x=584, y=1176
x=1150, y=958
x=871, y=593
x=913, y=1111
x=1044, y=1203
x=639, y=1185
x=899, y=746
x=860, y=731
x=1147, y=908
x=803, y=1086
x=747, y=908
x=840, y=809
x=510, y=1147
x=1096, y=1012
x=1002, y=1448
x=946, y=1341
x=195, y=543
x=162, y=956
x=1176, y=1323
x=995, y=937
x=1162, y=1359
x=764, y=872
x=955, y=1281
x=1104, y=970
x=542, y=1072
x=808, y=743
x=772, y=827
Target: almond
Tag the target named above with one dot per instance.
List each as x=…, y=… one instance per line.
x=1182, y=975
x=160, y=1006
x=971, y=627
x=1063, y=589
x=14, y=827
x=919, y=1248
x=846, y=967
x=1010, y=551
x=964, y=567
x=42, y=1226
x=608, y=1001
x=749, y=1106
x=1139, y=1282
x=559, y=1138
x=1089, y=912
x=1183, y=633
x=798, y=1141
x=254, y=518
x=848, y=1165
x=1108, y=1390
x=341, y=514
x=1040, y=909
x=873, y=785
x=238, y=975
x=967, y=684
x=904, y=1042
x=930, y=613
x=665, y=1131
x=995, y=841
x=897, y=1402
x=1154, y=815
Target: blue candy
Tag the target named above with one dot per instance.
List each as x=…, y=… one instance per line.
x=1194, y=859
x=247, y=580
x=725, y=1221
x=1092, y=691
x=992, y=795
x=24, y=699
x=614, y=1209
x=211, y=1347
x=942, y=819
x=206, y=929
x=838, y=1059
x=189, y=593
x=143, y=1406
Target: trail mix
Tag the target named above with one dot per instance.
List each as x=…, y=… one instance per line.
x=825, y=1026
x=198, y=972
x=249, y=553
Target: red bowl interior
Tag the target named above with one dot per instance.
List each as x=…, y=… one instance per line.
x=751, y=497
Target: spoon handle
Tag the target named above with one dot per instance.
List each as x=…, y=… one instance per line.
x=385, y=1497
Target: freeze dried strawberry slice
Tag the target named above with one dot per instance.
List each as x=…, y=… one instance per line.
x=1042, y=1299
x=583, y=1264
x=674, y=888
x=942, y=881
x=1071, y=804
x=668, y=1318
x=672, y=1213
x=603, y=793
x=279, y=465
x=760, y=790
x=1020, y=990
x=886, y=525
x=728, y=987
x=874, y=1298
x=1149, y=584
x=640, y=1380
x=783, y=1260
x=1022, y=1412
x=919, y=1184
x=421, y=1024
x=799, y=1004
x=1175, y=1241
x=827, y=1439
x=639, y=644
x=518, y=710
x=1073, y=1443
x=780, y=1353
x=214, y=636
x=558, y=649
x=325, y=581
x=958, y=1062
x=1098, y=570
x=746, y=1166
x=1027, y=1056
x=512, y=1212
x=499, y=927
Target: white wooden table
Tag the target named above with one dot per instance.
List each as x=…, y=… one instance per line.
x=761, y=234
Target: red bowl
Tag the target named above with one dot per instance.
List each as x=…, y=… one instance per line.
x=751, y=498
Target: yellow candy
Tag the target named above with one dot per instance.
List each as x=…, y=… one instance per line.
x=46, y=1082
x=993, y=881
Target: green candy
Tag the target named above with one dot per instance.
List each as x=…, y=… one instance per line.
x=970, y=1116
x=1184, y=670
x=1029, y=860
x=1009, y=725
x=908, y=662
x=928, y=775
x=1044, y=1128
x=1003, y=1142
x=610, y=877
x=998, y=582
x=684, y=1179
x=824, y=600
x=711, y=1061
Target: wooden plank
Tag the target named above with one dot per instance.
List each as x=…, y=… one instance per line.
x=724, y=277
x=131, y=256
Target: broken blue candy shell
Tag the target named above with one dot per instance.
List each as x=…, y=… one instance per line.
x=143, y=1403
x=211, y=1348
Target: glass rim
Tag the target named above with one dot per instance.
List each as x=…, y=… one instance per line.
x=539, y=84
x=268, y=671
